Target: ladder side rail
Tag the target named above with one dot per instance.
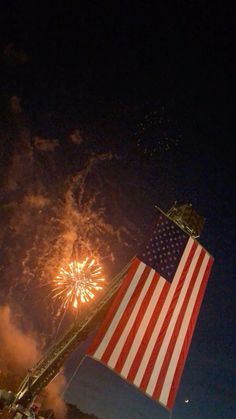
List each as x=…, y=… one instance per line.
x=48, y=367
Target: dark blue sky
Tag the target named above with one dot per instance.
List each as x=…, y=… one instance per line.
x=101, y=69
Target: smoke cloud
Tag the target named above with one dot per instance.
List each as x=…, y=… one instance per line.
x=53, y=399
x=17, y=348
x=76, y=137
x=19, y=351
x=44, y=144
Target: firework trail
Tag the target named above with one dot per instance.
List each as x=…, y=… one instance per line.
x=45, y=210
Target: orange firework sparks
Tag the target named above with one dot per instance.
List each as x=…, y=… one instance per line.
x=78, y=283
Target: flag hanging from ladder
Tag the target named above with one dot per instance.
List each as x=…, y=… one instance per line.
x=146, y=334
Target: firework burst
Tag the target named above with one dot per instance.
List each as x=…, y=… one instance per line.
x=157, y=134
x=78, y=283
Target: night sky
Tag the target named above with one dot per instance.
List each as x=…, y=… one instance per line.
x=144, y=92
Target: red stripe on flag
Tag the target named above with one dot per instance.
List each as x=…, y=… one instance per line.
x=126, y=315
x=120, y=294
x=133, y=331
x=161, y=336
x=175, y=334
x=188, y=337
x=139, y=356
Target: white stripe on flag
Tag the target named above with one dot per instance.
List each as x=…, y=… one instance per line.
x=142, y=328
x=182, y=333
x=171, y=326
x=103, y=345
x=165, y=308
x=119, y=346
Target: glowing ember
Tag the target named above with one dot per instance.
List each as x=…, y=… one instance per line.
x=78, y=283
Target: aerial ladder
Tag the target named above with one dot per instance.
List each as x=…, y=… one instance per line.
x=21, y=405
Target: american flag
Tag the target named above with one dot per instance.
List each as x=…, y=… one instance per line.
x=147, y=332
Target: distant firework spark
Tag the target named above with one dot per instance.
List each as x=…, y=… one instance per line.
x=156, y=134
x=78, y=283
